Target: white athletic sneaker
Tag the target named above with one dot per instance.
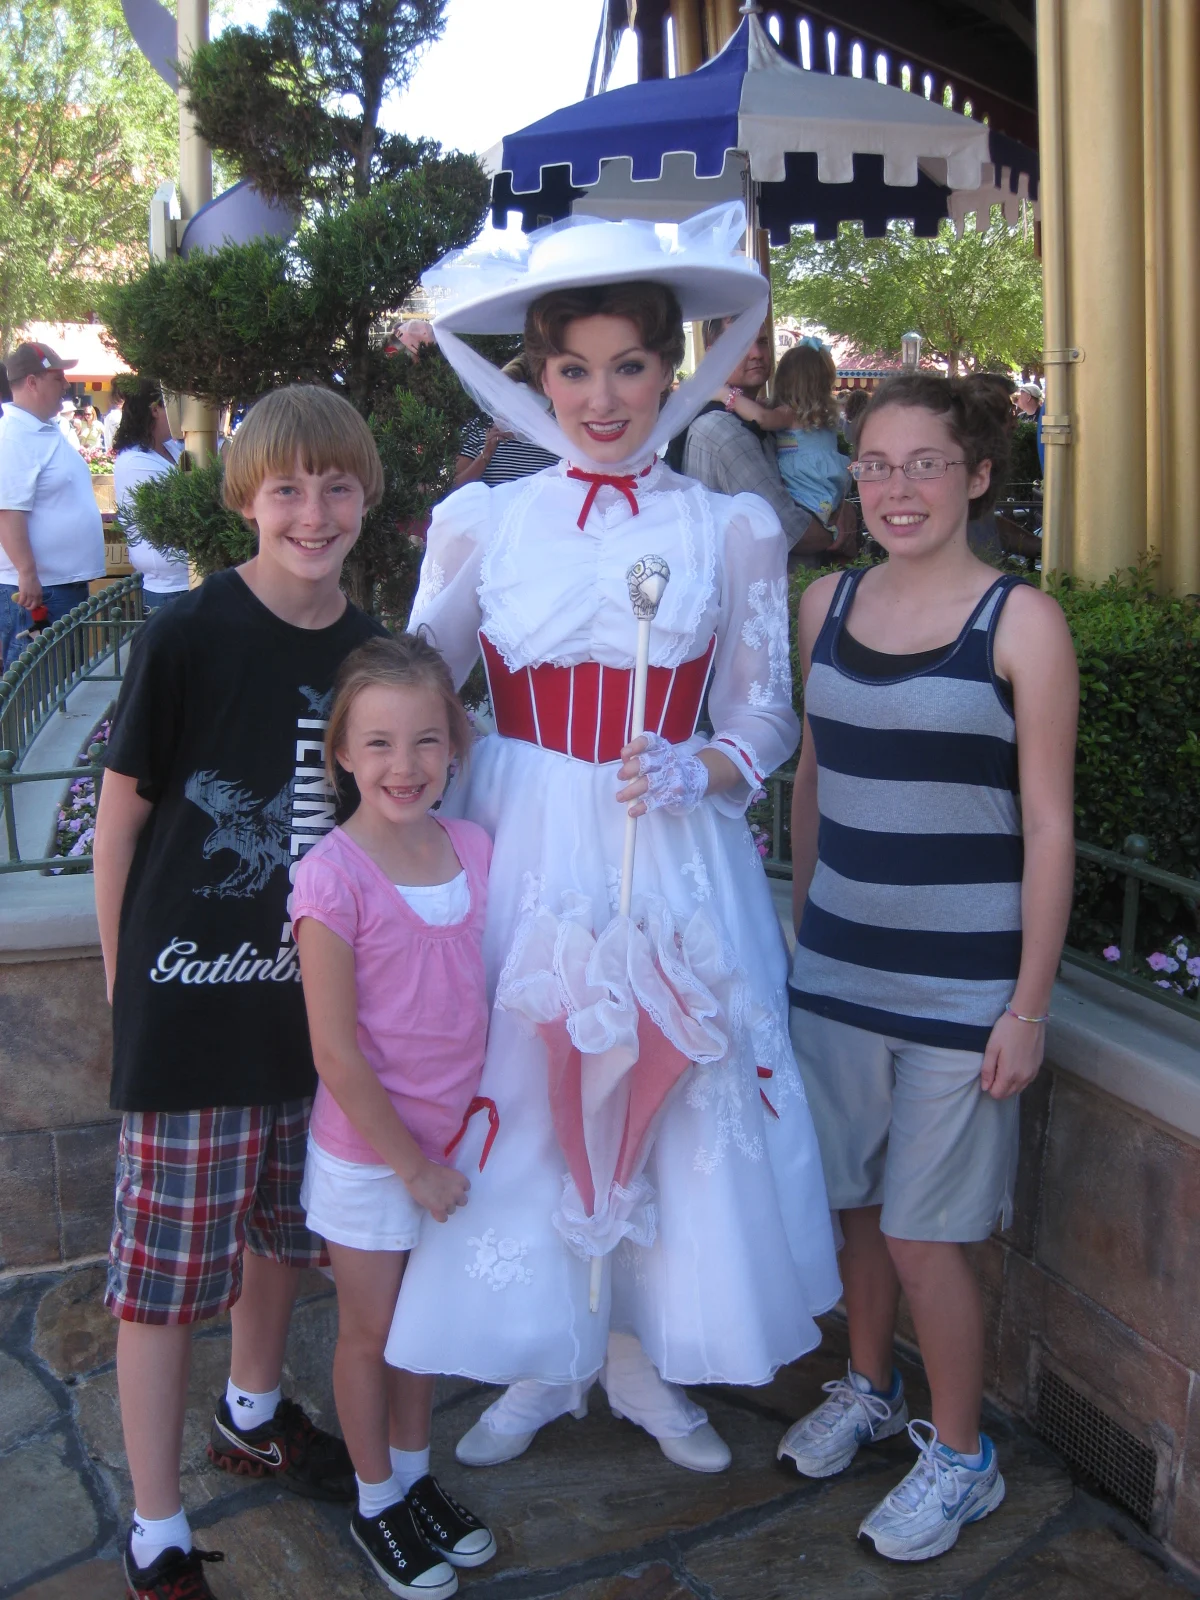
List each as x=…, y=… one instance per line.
x=827, y=1439
x=922, y=1516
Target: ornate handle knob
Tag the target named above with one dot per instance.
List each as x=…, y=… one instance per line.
x=647, y=578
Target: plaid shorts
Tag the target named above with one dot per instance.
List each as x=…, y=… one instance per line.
x=195, y=1188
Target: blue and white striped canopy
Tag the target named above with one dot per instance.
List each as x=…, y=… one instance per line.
x=821, y=149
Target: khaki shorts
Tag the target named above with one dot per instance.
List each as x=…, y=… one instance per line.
x=907, y=1127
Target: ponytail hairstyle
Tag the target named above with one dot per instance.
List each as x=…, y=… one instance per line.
x=976, y=414
x=406, y=662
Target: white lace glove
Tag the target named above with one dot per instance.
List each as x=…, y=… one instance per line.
x=677, y=782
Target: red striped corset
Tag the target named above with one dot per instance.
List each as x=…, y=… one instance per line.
x=585, y=711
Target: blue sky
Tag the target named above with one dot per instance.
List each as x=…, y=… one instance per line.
x=499, y=65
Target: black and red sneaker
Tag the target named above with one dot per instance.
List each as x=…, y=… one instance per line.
x=174, y=1576
x=289, y=1448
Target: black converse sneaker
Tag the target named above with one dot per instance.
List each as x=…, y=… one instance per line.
x=287, y=1447
x=392, y=1543
x=174, y=1576
x=454, y=1532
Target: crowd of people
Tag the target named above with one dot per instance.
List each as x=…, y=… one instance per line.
x=313, y=878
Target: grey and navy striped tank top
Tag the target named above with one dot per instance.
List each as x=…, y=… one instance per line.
x=912, y=926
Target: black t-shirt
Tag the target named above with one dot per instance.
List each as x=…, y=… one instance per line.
x=221, y=720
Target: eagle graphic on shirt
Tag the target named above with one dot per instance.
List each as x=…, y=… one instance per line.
x=256, y=831
x=319, y=705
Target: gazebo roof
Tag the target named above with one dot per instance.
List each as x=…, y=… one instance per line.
x=981, y=51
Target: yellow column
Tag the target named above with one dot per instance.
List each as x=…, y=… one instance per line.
x=1056, y=420
x=195, y=190
x=1155, y=140
x=689, y=41
x=1180, y=248
x=727, y=20
x=1106, y=287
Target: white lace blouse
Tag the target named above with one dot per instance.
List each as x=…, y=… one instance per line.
x=512, y=562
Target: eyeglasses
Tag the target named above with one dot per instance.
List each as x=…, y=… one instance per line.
x=920, y=467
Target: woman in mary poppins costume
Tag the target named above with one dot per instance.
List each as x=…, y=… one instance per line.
x=646, y=1202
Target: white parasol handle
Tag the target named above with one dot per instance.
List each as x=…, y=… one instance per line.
x=647, y=579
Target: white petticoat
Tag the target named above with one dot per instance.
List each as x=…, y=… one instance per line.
x=743, y=1257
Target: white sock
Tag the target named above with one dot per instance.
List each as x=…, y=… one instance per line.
x=151, y=1538
x=408, y=1466
x=248, y=1410
x=376, y=1497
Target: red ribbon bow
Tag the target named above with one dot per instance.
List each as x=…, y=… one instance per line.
x=480, y=1103
x=625, y=482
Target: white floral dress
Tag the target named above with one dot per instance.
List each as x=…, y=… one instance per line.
x=743, y=1257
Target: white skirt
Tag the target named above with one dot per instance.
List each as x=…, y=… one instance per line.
x=360, y=1206
x=743, y=1258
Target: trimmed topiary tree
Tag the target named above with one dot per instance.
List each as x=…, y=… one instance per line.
x=294, y=107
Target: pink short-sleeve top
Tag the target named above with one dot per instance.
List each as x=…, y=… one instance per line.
x=421, y=991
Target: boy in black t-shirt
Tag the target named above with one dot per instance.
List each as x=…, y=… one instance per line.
x=215, y=788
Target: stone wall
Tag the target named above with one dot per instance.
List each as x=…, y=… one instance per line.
x=57, y=1135
x=1098, y=1281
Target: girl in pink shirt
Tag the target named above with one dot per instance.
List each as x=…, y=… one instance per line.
x=388, y=911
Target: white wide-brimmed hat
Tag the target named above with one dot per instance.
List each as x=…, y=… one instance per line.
x=489, y=292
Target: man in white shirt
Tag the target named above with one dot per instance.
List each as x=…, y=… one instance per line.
x=51, y=535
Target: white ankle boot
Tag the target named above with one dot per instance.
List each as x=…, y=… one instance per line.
x=506, y=1429
x=636, y=1391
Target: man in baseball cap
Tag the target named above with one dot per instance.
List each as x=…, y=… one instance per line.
x=33, y=360
x=51, y=535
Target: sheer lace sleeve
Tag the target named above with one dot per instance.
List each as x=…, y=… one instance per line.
x=447, y=602
x=750, y=701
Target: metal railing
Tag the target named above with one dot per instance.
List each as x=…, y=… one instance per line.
x=93, y=769
x=71, y=649
x=1129, y=863
x=83, y=646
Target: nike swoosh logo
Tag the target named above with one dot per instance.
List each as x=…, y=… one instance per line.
x=271, y=1458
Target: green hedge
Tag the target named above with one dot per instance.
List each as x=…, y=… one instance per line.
x=1138, y=763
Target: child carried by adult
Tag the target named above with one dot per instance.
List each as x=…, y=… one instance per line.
x=803, y=416
x=388, y=911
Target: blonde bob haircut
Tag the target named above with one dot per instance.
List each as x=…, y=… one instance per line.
x=407, y=661
x=304, y=423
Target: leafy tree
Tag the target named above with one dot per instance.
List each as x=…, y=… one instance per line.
x=976, y=301
x=294, y=107
x=87, y=130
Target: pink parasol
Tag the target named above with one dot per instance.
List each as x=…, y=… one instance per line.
x=623, y=1015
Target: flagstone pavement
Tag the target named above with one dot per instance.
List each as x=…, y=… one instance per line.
x=592, y=1512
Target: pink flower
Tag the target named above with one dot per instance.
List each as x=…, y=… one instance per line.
x=1111, y=953
x=1161, y=963
x=1193, y=966
x=1162, y=984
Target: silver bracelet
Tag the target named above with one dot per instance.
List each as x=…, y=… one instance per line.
x=1020, y=1018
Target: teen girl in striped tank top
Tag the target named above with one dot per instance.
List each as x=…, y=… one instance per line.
x=932, y=842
